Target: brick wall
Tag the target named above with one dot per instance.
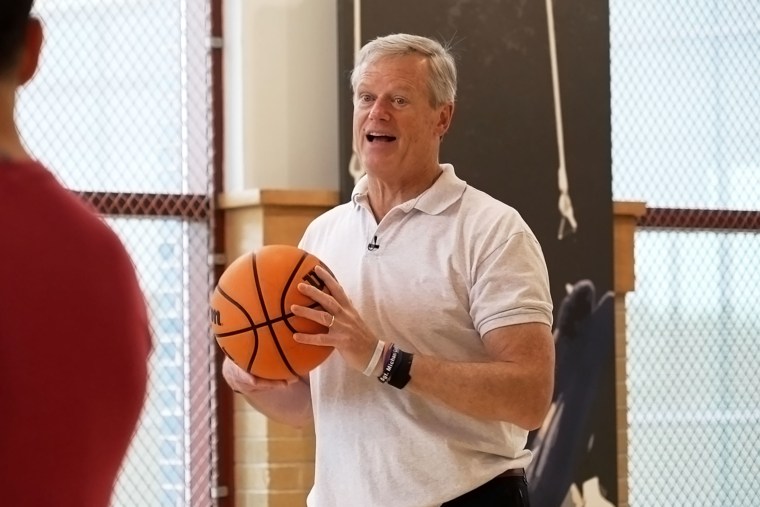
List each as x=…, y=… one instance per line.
x=273, y=463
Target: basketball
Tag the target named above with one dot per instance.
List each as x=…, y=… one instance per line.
x=251, y=318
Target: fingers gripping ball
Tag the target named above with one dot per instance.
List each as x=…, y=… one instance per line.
x=251, y=318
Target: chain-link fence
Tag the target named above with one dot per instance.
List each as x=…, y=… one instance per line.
x=685, y=131
x=120, y=112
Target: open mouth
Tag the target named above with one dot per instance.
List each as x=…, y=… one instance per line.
x=380, y=138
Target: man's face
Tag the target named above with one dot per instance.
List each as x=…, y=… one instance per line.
x=396, y=129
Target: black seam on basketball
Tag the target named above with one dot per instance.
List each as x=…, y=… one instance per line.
x=250, y=320
x=286, y=314
x=289, y=282
x=254, y=326
x=314, y=304
x=290, y=326
x=285, y=291
x=263, y=305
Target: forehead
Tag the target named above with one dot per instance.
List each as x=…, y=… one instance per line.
x=405, y=72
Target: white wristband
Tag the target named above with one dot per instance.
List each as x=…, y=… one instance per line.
x=375, y=358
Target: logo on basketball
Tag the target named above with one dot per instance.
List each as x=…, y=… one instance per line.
x=312, y=279
x=215, y=316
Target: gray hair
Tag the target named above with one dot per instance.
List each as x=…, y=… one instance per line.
x=443, y=72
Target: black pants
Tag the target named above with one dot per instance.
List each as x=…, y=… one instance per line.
x=498, y=492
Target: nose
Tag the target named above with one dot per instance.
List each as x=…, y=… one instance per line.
x=379, y=110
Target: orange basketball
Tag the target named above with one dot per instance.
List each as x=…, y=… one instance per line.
x=250, y=312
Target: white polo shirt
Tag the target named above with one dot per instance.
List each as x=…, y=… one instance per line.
x=452, y=264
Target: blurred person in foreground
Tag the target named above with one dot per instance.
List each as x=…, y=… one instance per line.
x=74, y=335
x=439, y=311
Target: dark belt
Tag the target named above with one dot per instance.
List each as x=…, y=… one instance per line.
x=515, y=472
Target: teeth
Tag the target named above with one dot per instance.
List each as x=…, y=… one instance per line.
x=371, y=136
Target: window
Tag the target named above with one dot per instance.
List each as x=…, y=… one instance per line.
x=121, y=112
x=685, y=123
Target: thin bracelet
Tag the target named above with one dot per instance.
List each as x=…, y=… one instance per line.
x=375, y=358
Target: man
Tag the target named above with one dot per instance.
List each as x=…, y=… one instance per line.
x=439, y=313
x=74, y=336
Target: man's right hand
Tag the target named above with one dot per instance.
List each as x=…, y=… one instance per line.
x=244, y=383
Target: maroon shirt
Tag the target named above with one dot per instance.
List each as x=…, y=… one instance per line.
x=74, y=344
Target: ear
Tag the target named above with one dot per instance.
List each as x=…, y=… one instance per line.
x=30, y=53
x=444, y=119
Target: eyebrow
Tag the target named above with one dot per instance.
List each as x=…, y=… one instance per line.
x=395, y=90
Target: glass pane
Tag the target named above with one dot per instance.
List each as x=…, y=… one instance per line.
x=109, y=109
x=686, y=103
x=693, y=363
x=165, y=253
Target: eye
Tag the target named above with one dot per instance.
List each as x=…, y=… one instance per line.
x=399, y=101
x=365, y=98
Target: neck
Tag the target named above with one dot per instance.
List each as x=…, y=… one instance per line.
x=10, y=142
x=385, y=195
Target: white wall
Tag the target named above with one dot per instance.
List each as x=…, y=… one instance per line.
x=281, y=94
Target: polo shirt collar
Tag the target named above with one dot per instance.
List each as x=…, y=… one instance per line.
x=446, y=190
